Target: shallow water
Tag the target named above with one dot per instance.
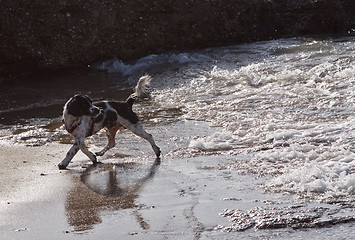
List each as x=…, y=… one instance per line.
x=287, y=106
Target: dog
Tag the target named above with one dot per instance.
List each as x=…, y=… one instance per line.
x=83, y=118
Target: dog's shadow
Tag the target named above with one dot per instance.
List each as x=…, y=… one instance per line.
x=107, y=187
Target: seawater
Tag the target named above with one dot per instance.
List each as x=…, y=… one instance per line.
x=290, y=101
x=288, y=104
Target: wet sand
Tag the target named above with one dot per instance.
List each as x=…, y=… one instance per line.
x=132, y=195
x=125, y=197
x=32, y=191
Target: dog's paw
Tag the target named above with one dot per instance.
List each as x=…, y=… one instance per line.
x=62, y=166
x=94, y=159
x=101, y=153
x=157, y=152
x=96, y=163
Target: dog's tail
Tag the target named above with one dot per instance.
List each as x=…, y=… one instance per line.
x=141, y=91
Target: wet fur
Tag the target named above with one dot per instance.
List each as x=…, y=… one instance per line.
x=83, y=118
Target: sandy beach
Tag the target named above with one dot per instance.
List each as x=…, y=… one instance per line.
x=32, y=190
x=117, y=199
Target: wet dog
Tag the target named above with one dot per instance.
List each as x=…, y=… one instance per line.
x=83, y=118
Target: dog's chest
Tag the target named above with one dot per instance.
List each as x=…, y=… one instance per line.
x=83, y=128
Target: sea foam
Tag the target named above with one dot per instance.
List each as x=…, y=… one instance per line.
x=289, y=102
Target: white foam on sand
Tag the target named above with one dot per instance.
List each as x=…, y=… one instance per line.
x=217, y=141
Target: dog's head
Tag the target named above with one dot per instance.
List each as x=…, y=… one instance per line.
x=81, y=105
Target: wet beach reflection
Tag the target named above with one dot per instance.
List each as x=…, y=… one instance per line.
x=111, y=186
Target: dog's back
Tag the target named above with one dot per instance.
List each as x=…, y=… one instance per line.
x=110, y=110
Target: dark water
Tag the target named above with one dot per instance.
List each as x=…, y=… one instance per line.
x=44, y=97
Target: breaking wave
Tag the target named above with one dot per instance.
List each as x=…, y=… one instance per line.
x=290, y=102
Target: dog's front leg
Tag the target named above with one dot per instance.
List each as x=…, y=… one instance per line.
x=70, y=154
x=88, y=153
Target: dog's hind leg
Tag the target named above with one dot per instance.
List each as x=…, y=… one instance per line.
x=139, y=131
x=111, y=135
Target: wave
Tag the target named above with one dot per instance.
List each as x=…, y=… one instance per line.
x=153, y=61
x=290, y=103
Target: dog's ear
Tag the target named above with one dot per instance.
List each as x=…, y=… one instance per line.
x=74, y=108
x=88, y=98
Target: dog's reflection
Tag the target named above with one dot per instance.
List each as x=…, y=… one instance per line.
x=107, y=187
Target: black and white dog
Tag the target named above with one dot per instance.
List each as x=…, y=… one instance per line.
x=83, y=118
